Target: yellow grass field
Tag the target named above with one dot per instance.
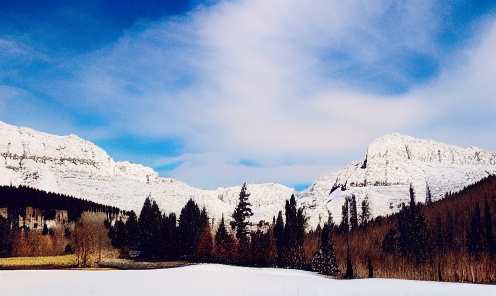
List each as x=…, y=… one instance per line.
x=65, y=261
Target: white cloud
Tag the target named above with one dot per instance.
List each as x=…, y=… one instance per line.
x=276, y=82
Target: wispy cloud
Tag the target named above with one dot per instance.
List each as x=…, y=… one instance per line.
x=294, y=87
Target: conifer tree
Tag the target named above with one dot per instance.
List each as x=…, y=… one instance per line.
x=475, y=233
x=241, y=216
x=191, y=222
x=353, y=213
x=344, y=225
x=324, y=260
x=490, y=243
x=132, y=230
x=279, y=233
x=365, y=211
x=149, y=226
x=428, y=195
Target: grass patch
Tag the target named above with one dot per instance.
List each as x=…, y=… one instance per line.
x=66, y=261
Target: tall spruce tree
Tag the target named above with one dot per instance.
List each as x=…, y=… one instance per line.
x=149, y=226
x=353, y=213
x=324, y=260
x=132, y=231
x=191, y=222
x=279, y=234
x=241, y=216
x=345, y=220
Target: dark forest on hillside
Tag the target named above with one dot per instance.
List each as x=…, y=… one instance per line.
x=16, y=199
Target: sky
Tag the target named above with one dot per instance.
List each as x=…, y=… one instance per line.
x=217, y=93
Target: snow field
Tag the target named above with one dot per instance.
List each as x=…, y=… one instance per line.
x=218, y=280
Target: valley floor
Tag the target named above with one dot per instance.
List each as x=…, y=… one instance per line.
x=214, y=279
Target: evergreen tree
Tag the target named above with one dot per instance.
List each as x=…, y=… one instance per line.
x=191, y=222
x=300, y=227
x=5, y=237
x=324, y=260
x=279, y=234
x=132, y=230
x=294, y=233
x=475, y=233
x=449, y=232
x=440, y=236
x=345, y=226
x=365, y=211
x=291, y=225
x=428, y=195
x=119, y=234
x=353, y=213
x=149, y=228
x=490, y=243
x=223, y=241
x=241, y=216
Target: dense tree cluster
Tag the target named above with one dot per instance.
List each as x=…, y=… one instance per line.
x=16, y=199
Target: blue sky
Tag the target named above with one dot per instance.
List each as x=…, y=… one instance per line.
x=216, y=93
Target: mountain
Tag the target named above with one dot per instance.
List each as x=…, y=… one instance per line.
x=391, y=164
x=74, y=166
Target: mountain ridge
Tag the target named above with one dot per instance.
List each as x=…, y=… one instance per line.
x=77, y=167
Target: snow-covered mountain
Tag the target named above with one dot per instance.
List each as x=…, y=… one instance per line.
x=74, y=166
x=391, y=164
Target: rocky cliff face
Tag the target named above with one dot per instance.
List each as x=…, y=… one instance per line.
x=74, y=166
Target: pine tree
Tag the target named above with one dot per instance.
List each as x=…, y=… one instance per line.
x=149, y=226
x=324, y=260
x=353, y=213
x=191, y=222
x=490, y=243
x=345, y=226
x=279, y=234
x=132, y=230
x=365, y=213
x=241, y=216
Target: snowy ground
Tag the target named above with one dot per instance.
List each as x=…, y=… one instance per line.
x=212, y=279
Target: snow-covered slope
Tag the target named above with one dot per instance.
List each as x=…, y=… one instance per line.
x=218, y=280
x=74, y=166
x=391, y=164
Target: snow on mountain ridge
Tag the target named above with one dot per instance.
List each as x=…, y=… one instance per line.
x=391, y=164
x=74, y=166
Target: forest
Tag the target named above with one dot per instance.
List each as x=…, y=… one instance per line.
x=451, y=239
